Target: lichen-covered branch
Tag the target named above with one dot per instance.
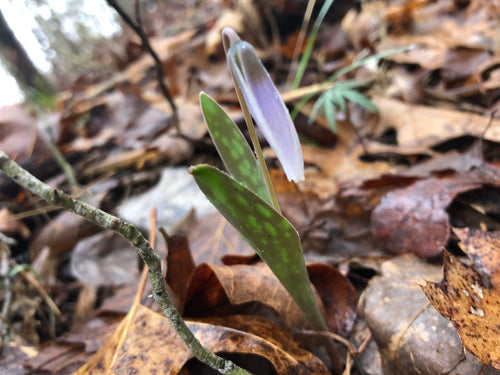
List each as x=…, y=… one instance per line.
x=134, y=236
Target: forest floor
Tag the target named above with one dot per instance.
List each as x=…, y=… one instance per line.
x=399, y=213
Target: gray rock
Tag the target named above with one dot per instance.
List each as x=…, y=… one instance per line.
x=412, y=337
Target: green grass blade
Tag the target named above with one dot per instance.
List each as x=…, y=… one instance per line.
x=347, y=69
x=310, y=43
x=358, y=98
x=315, y=109
x=337, y=100
x=329, y=111
x=378, y=56
x=233, y=148
x=272, y=236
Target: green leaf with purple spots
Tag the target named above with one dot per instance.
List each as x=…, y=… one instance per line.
x=271, y=235
x=233, y=148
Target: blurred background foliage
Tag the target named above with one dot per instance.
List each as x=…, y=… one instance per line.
x=46, y=45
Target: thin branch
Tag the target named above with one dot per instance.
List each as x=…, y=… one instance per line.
x=40, y=289
x=139, y=30
x=59, y=158
x=5, y=279
x=134, y=236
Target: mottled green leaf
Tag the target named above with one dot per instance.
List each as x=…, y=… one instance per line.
x=233, y=148
x=272, y=236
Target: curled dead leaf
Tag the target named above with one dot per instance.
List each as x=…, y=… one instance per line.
x=152, y=346
x=223, y=288
x=469, y=294
x=338, y=295
x=413, y=219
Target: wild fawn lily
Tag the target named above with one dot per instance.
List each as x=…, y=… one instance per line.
x=245, y=196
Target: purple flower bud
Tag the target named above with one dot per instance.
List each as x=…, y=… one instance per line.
x=265, y=104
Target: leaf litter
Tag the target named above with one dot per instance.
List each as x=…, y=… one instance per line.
x=468, y=295
x=416, y=178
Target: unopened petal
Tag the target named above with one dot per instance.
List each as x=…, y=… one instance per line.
x=267, y=108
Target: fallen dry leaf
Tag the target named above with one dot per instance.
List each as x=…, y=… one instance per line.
x=61, y=234
x=423, y=126
x=11, y=225
x=152, y=346
x=21, y=140
x=179, y=267
x=213, y=237
x=469, y=294
x=413, y=219
x=220, y=288
x=224, y=288
x=73, y=349
x=341, y=163
x=338, y=296
x=19, y=136
x=104, y=259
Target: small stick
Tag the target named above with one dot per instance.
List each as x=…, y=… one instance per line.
x=139, y=242
x=41, y=290
x=139, y=30
x=355, y=352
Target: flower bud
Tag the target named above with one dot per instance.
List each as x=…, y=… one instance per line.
x=264, y=103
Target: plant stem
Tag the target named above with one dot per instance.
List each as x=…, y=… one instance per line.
x=134, y=236
x=59, y=158
x=257, y=149
x=320, y=324
x=298, y=45
x=310, y=43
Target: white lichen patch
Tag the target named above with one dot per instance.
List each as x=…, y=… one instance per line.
x=422, y=332
x=477, y=311
x=477, y=289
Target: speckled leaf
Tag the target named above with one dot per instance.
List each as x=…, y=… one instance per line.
x=233, y=148
x=267, y=231
x=469, y=294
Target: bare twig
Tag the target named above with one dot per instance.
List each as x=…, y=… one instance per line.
x=400, y=335
x=355, y=352
x=141, y=244
x=298, y=45
x=43, y=293
x=139, y=30
x=4, y=277
x=59, y=158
